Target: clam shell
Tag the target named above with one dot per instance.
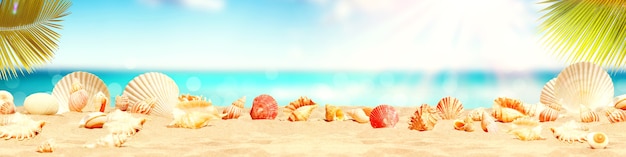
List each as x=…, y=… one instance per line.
x=122, y=102
x=506, y=115
x=235, y=109
x=358, y=115
x=154, y=85
x=597, y=140
x=302, y=101
x=548, y=97
x=264, y=107
x=449, y=108
x=620, y=102
x=548, y=114
x=93, y=120
x=584, y=83
x=615, y=115
x=302, y=113
x=384, y=116
x=89, y=82
x=333, y=113
x=41, y=103
x=587, y=115
x=424, y=119
x=6, y=103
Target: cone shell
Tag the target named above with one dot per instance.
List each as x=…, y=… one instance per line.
x=424, y=119
x=488, y=123
x=264, y=107
x=6, y=103
x=41, y=104
x=506, y=115
x=302, y=113
x=615, y=115
x=122, y=102
x=587, y=115
x=584, y=83
x=548, y=114
x=384, y=116
x=74, y=82
x=510, y=103
x=235, y=109
x=93, y=120
x=154, y=85
x=620, y=102
x=333, y=113
x=597, y=140
x=548, y=97
x=358, y=115
x=302, y=101
x=449, y=108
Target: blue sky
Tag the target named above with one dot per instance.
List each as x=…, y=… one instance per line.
x=428, y=35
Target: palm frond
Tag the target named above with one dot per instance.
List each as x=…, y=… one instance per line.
x=27, y=38
x=586, y=30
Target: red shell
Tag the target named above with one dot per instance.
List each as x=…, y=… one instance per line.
x=264, y=107
x=384, y=116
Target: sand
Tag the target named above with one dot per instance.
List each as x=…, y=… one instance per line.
x=316, y=137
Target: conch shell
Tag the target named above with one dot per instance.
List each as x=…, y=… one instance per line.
x=449, y=108
x=570, y=132
x=119, y=122
x=144, y=106
x=334, y=113
x=587, y=115
x=192, y=120
x=100, y=101
x=6, y=103
x=506, y=115
x=488, y=123
x=20, y=127
x=302, y=101
x=425, y=118
x=359, y=115
x=526, y=129
x=302, y=113
x=194, y=114
x=465, y=124
x=235, y=109
x=505, y=102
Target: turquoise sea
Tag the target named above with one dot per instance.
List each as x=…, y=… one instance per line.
x=399, y=88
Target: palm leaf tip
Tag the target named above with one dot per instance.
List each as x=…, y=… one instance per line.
x=586, y=30
x=27, y=38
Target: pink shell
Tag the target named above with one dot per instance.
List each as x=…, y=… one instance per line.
x=264, y=107
x=384, y=116
x=78, y=100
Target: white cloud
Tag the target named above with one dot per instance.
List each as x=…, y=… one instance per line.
x=203, y=5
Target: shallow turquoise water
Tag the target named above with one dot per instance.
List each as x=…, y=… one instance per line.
x=399, y=88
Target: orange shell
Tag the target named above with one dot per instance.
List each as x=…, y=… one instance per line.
x=232, y=112
x=302, y=101
x=144, y=106
x=548, y=114
x=615, y=115
x=384, y=116
x=78, y=100
x=302, y=113
x=620, y=102
x=488, y=123
x=333, y=113
x=506, y=115
x=449, y=108
x=465, y=124
x=587, y=115
x=367, y=110
x=424, y=119
x=510, y=103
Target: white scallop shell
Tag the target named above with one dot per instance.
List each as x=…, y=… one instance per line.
x=154, y=85
x=91, y=83
x=547, y=94
x=584, y=83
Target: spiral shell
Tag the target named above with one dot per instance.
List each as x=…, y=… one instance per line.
x=384, y=116
x=110, y=140
x=597, y=140
x=587, y=115
x=424, y=119
x=235, y=109
x=449, y=108
x=264, y=107
x=302, y=113
x=509, y=103
x=358, y=115
x=615, y=115
x=122, y=102
x=465, y=124
x=488, y=123
x=548, y=114
x=93, y=120
x=526, y=129
x=333, y=113
x=6, y=103
x=144, y=106
x=506, y=115
x=78, y=100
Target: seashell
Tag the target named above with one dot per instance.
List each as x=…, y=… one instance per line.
x=122, y=102
x=235, y=109
x=110, y=140
x=615, y=115
x=100, y=102
x=584, y=83
x=20, y=127
x=509, y=103
x=302, y=101
x=465, y=124
x=41, y=104
x=526, y=129
x=620, y=102
x=358, y=115
x=488, y=123
x=570, y=132
x=74, y=82
x=368, y=110
x=192, y=120
x=506, y=115
x=123, y=123
x=264, y=107
x=548, y=97
x=6, y=103
x=424, y=119
x=93, y=120
x=587, y=115
x=154, y=85
x=384, y=116
x=334, y=113
x=477, y=114
x=197, y=105
x=449, y=108
x=78, y=100
x=302, y=113
x=144, y=106
x=597, y=140
x=548, y=114
x=533, y=110
x=46, y=146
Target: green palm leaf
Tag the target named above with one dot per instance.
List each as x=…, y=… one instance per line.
x=586, y=30
x=26, y=36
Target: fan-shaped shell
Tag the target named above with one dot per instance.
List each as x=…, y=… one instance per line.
x=41, y=103
x=302, y=113
x=333, y=113
x=584, y=83
x=154, y=85
x=615, y=115
x=506, y=115
x=264, y=107
x=424, y=119
x=587, y=115
x=548, y=97
x=597, y=140
x=122, y=102
x=620, y=102
x=358, y=115
x=548, y=114
x=301, y=101
x=74, y=81
x=449, y=108
x=6, y=103
x=384, y=116
x=235, y=109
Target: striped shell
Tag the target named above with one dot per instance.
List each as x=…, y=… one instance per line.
x=506, y=115
x=587, y=115
x=384, y=116
x=333, y=113
x=78, y=100
x=6, y=103
x=620, y=102
x=615, y=115
x=548, y=114
x=264, y=107
x=424, y=119
x=122, y=102
x=358, y=115
x=548, y=97
x=76, y=81
x=235, y=109
x=584, y=83
x=93, y=120
x=302, y=113
x=570, y=132
x=144, y=106
x=449, y=108
x=510, y=103
x=154, y=85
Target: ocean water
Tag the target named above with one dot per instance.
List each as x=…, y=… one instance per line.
x=398, y=88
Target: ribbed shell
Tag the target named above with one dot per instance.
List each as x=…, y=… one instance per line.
x=384, y=116
x=548, y=97
x=584, y=83
x=449, y=108
x=302, y=113
x=301, y=101
x=510, y=103
x=235, y=109
x=154, y=85
x=91, y=83
x=264, y=107
x=144, y=106
x=548, y=114
x=425, y=118
x=587, y=115
x=506, y=115
x=615, y=115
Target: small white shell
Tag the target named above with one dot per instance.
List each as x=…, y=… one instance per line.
x=358, y=115
x=41, y=103
x=154, y=85
x=88, y=81
x=597, y=140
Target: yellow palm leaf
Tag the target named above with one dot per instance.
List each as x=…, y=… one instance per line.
x=586, y=30
x=26, y=36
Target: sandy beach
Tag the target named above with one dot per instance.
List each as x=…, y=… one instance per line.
x=316, y=137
